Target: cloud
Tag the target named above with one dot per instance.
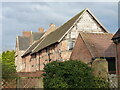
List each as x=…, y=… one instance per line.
x=18, y=17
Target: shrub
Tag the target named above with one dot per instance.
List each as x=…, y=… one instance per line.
x=71, y=74
x=100, y=83
x=68, y=74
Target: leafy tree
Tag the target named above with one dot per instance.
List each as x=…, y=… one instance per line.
x=8, y=65
x=68, y=74
x=71, y=74
x=100, y=83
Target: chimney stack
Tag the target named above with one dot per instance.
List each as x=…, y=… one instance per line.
x=41, y=29
x=52, y=25
x=27, y=33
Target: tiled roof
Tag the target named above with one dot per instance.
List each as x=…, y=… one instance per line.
x=23, y=42
x=99, y=44
x=29, y=50
x=117, y=35
x=41, y=37
x=36, y=35
x=55, y=36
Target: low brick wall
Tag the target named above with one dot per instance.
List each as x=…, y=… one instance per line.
x=30, y=74
x=30, y=80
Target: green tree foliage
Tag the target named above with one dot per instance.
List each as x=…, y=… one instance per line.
x=8, y=65
x=70, y=74
x=100, y=83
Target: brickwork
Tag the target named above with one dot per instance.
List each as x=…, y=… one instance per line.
x=27, y=33
x=41, y=29
x=118, y=58
x=55, y=52
x=60, y=51
x=80, y=51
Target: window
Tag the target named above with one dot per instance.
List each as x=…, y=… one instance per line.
x=70, y=45
x=111, y=65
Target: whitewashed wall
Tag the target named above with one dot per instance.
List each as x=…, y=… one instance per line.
x=85, y=24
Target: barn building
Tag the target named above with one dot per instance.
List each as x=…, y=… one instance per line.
x=82, y=37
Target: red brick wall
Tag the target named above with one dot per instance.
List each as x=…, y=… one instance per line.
x=80, y=51
x=56, y=52
x=118, y=59
x=27, y=33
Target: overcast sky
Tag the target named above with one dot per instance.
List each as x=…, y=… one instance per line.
x=18, y=17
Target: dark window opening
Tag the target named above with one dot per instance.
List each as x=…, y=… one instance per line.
x=111, y=65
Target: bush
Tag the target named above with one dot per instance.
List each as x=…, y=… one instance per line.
x=100, y=83
x=68, y=74
x=71, y=74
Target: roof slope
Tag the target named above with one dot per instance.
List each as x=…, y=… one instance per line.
x=29, y=50
x=36, y=35
x=55, y=36
x=117, y=35
x=41, y=37
x=60, y=32
x=23, y=42
x=99, y=44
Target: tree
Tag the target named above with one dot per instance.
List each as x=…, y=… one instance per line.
x=68, y=74
x=8, y=65
x=71, y=74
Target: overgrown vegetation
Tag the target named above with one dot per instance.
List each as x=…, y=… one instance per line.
x=71, y=74
x=8, y=65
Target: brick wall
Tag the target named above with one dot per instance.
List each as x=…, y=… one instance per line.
x=30, y=80
x=118, y=58
x=80, y=51
x=56, y=52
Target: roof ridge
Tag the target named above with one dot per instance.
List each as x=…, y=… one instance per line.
x=96, y=33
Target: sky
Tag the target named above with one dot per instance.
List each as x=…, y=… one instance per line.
x=17, y=17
